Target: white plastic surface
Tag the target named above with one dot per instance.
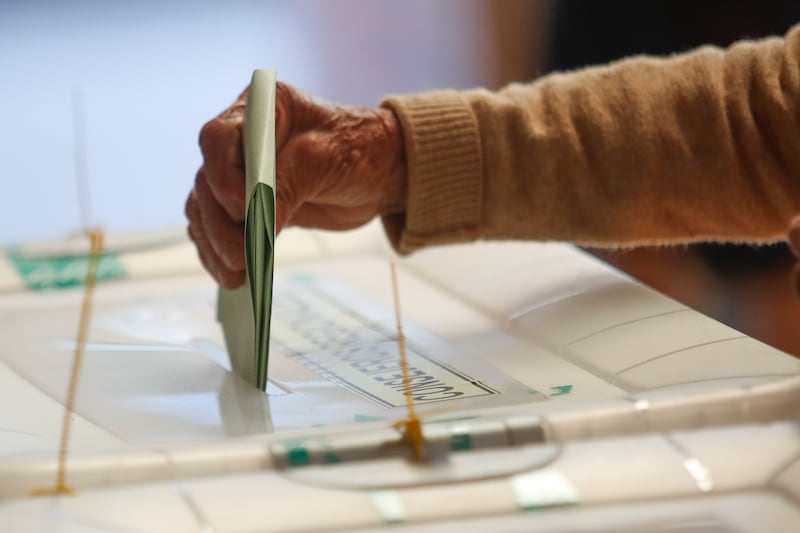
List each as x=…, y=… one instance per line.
x=614, y=407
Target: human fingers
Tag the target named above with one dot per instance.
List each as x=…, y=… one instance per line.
x=213, y=264
x=286, y=200
x=225, y=235
x=285, y=102
x=223, y=159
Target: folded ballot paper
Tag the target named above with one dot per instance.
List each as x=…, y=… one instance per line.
x=245, y=312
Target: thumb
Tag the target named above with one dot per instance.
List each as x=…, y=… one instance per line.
x=285, y=100
x=284, y=112
x=285, y=202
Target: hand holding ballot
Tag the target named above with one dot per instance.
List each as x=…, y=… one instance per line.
x=694, y=147
x=337, y=168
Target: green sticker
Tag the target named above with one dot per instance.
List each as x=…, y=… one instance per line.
x=64, y=272
x=367, y=418
x=560, y=390
x=460, y=441
x=298, y=456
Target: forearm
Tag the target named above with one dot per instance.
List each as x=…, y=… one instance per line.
x=703, y=146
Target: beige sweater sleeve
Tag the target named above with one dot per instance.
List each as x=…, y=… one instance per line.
x=695, y=147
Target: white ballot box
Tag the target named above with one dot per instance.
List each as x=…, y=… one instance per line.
x=557, y=394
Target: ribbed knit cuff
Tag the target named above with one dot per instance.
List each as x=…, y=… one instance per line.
x=443, y=158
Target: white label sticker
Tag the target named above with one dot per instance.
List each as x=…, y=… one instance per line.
x=374, y=372
x=362, y=354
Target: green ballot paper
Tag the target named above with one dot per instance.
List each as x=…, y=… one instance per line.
x=245, y=312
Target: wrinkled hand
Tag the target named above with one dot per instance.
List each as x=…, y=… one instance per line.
x=337, y=168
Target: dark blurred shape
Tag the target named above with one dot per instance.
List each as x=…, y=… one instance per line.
x=590, y=33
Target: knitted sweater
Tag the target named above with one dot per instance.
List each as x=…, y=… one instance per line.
x=702, y=146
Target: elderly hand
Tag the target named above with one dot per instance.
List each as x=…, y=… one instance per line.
x=337, y=168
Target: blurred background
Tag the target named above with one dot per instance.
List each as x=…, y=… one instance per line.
x=117, y=91
x=148, y=74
